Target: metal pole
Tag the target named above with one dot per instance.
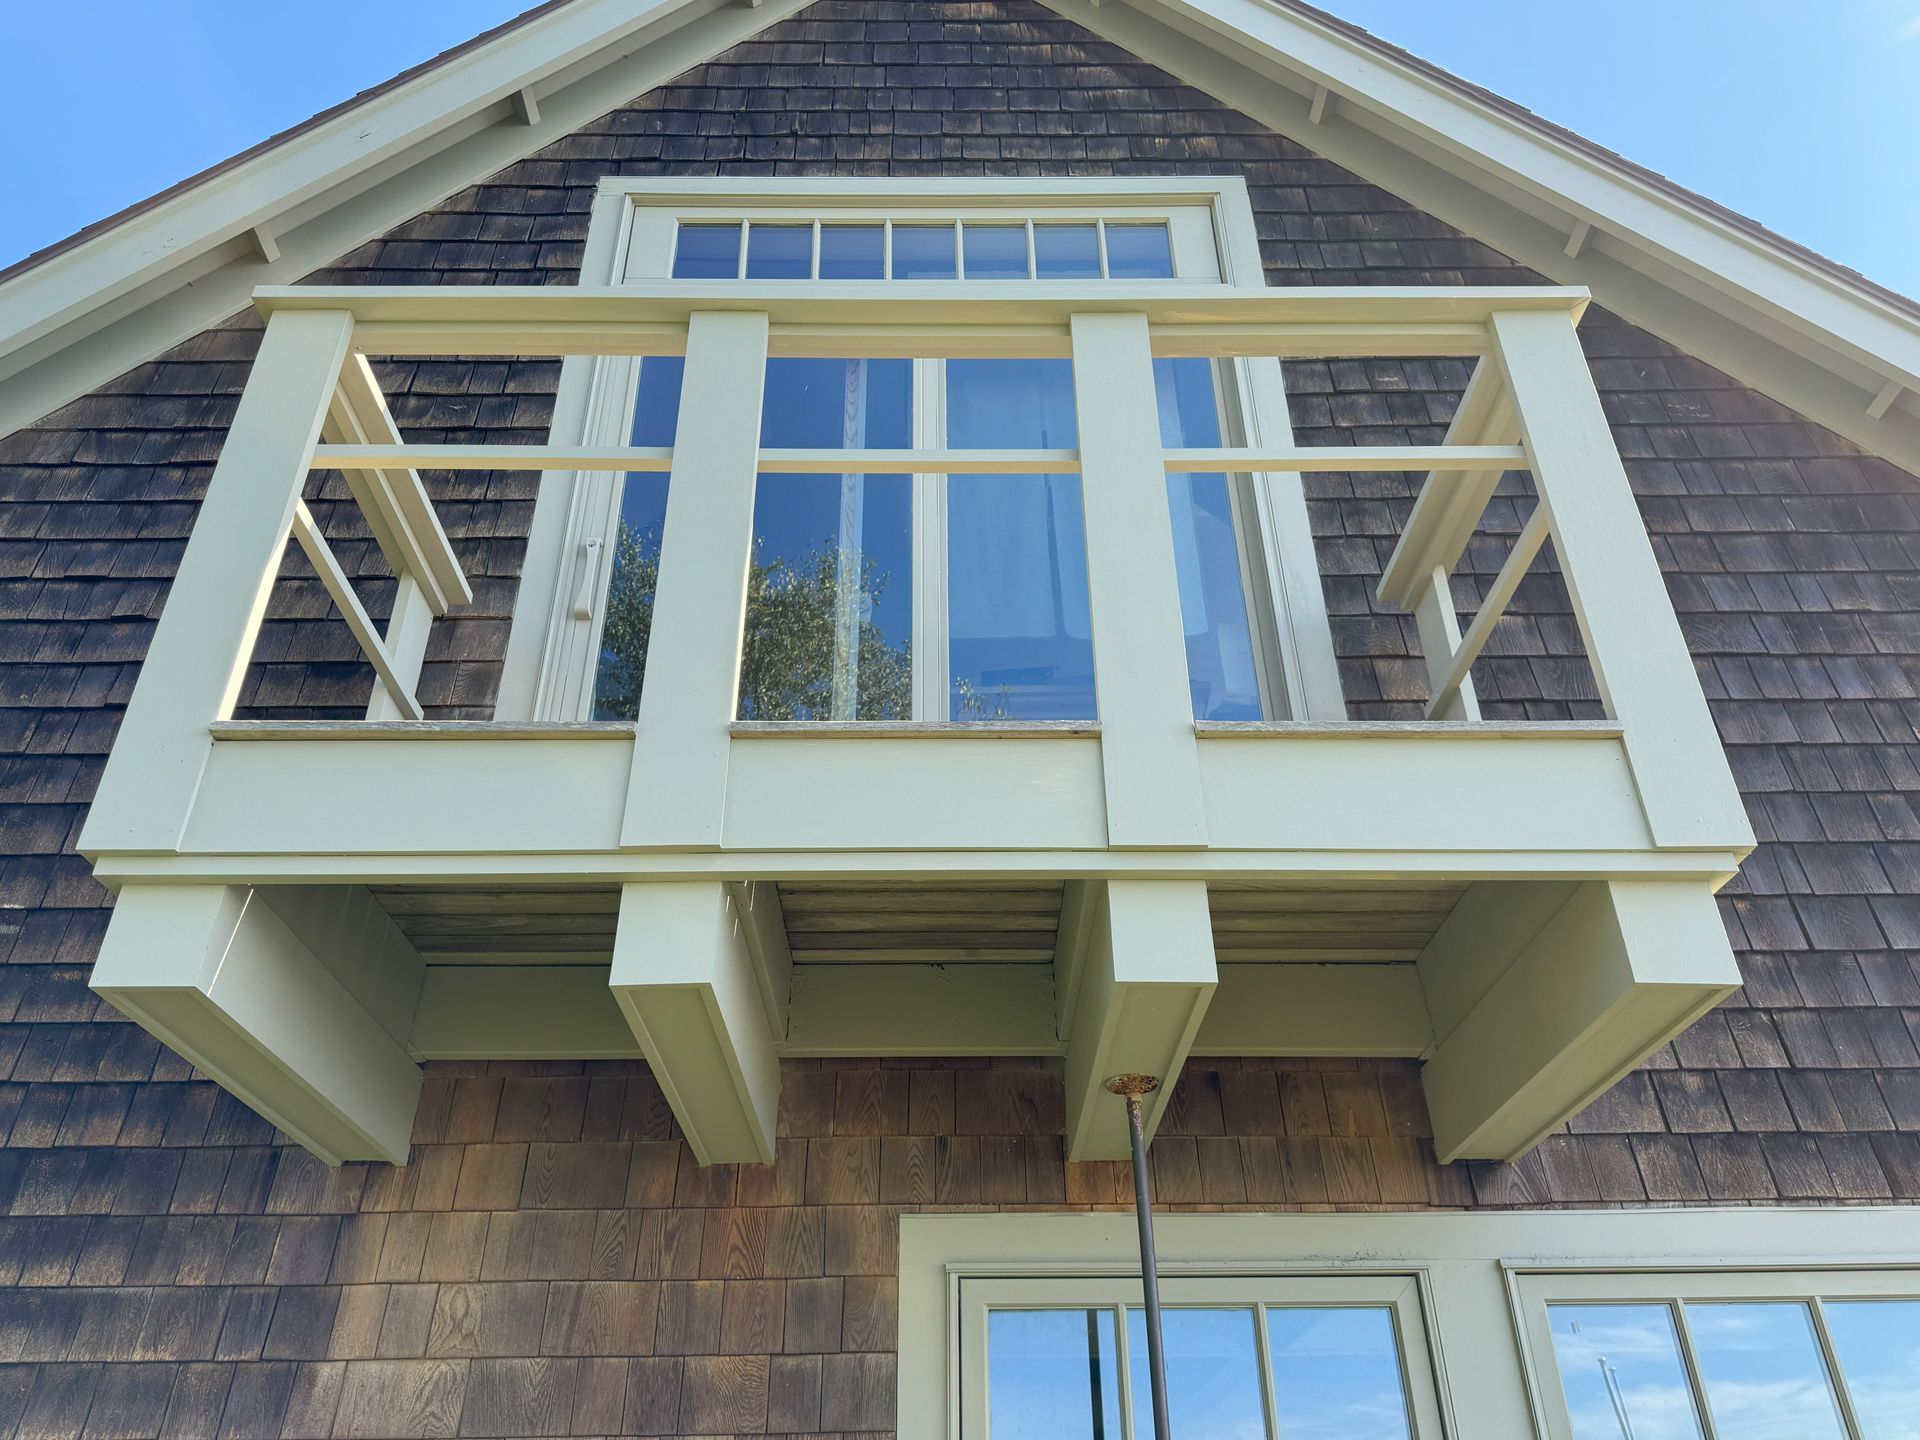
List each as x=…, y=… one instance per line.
x=1131, y=1088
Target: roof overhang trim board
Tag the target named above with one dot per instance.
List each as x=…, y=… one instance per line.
x=91, y=311
x=1840, y=352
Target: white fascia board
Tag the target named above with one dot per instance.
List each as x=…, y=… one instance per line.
x=123, y=296
x=1626, y=207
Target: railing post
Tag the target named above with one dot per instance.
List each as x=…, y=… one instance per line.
x=677, y=790
x=1633, y=640
x=408, y=629
x=1147, y=745
x=199, y=654
x=1439, y=626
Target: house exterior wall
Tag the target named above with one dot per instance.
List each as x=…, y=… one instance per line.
x=553, y=1262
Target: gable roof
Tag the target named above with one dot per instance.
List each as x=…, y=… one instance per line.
x=1816, y=336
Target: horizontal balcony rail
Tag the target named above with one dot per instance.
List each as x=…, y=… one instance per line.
x=314, y=403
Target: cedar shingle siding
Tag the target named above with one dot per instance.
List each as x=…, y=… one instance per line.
x=553, y=1262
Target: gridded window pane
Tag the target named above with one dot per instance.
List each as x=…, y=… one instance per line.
x=1052, y=1375
x=636, y=548
x=707, y=252
x=1066, y=252
x=1020, y=639
x=1213, y=599
x=1336, y=1374
x=780, y=252
x=1213, y=1375
x=1761, y=1367
x=923, y=252
x=1622, y=1374
x=996, y=252
x=1877, y=1344
x=1139, y=252
x=853, y=252
x=830, y=589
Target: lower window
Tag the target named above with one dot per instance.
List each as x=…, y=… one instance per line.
x=1247, y=1358
x=1758, y=1355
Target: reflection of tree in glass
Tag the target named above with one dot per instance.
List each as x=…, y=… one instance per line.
x=786, y=668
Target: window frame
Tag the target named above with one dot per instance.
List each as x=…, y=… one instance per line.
x=1535, y=1291
x=1399, y=1291
x=553, y=644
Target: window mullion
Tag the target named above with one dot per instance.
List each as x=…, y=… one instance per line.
x=1123, y=1362
x=1269, y=1395
x=1696, y=1381
x=930, y=687
x=1835, y=1376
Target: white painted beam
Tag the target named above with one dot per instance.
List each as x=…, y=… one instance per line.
x=1148, y=978
x=1883, y=400
x=683, y=974
x=1147, y=748
x=1577, y=238
x=901, y=1008
x=1347, y=1008
x=764, y=924
x=265, y=245
x=1639, y=657
x=525, y=105
x=678, y=789
x=1320, y=106
x=198, y=656
x=520, y=1012
x=298, y=1001
x=1532, y=1027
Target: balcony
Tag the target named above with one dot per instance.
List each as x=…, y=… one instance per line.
x=308, y=910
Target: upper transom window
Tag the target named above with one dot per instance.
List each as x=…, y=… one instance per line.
x=956, y=595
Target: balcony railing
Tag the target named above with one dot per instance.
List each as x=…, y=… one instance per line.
x=1560, y=922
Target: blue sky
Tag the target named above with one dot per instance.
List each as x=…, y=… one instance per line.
x=1800, y=113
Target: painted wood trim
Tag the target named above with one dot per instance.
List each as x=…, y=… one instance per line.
x=1151, y=767
x=1439, y=627
x=370, y=730
x=1348, y=1008
x=409, y=628
x=899, y=1008
x=1324, y=459
x=327, y=566
x=397, y=507
x=1149, y=977
x=520, y=1012
x=220, y=975
x=1639, y=656
x=1619, y=969
x=684, y=977
x=197, y=659
x=677, y=794
x=913, y=729
x=764, y=926
x=1448, y=508
x=1457, y=664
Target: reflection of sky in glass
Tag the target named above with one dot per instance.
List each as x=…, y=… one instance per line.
x=707, y=252
x=1066, y=252
x=780, y=252
x=923, y=252
x=996, y=252
x=1877, y=1343
x=1139, y=252
x=1621, y=1370
x=1019, y=637
x=1760, y=1365
x=1213, y=1375
x=1044, y=1370
x=1336, y=1374
x=853, y=252
x=1213, y=603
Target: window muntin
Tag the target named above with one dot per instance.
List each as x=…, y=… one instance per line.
x=1714, y=1355
x=1247, y=1356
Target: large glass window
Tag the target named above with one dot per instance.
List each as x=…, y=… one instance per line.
x=930, y=597
x=1747, y=1354
x=1247, y=1359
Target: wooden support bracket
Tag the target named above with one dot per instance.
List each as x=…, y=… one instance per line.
x=298, y=1000
x=1145, y=980
x=1543, y=996
x=685, y=976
